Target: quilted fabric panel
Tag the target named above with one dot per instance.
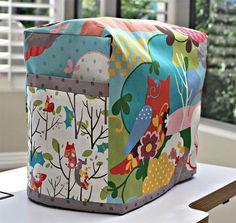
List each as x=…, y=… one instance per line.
x=152, y=74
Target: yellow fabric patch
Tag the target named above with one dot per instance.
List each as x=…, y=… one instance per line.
x=129, y=65
x=118, y=50
x=123, y=72
x=123, y=58
x=133, y=57
x=179, y=48
x=112, y=72
x=125, y=51
x=118, y=64
x=160, y=172
x=142, y=58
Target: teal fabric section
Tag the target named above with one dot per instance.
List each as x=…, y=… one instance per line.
x=53, y=61
x=74, y=27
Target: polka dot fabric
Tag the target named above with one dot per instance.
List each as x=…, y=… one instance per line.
x=160, y=172
x=66, y=58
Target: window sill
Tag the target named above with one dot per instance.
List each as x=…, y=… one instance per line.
x=17, y=84
x=217, y=142
x=218, y=129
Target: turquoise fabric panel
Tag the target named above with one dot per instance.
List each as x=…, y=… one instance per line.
x=53, y=61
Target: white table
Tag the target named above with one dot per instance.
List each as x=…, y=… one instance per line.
x=214, y=184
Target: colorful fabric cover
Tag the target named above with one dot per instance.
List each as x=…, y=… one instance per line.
x=113, y=111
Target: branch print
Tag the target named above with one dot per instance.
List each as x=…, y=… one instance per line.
x=56, y=146
x=94, y=116
x=31, y=109
x=184, y=85
x=73, y=106
x=55, y=187
x=74, y=169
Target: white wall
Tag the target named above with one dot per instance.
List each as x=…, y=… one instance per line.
x=178, y=12
x=217, y=143
x=13, y=139
x=12, y=122
x=218, y=146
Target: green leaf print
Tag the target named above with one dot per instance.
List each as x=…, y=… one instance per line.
x=87, y=153
x=37, y=103
x=58, y=110
x=47, y=156
x=55, y=145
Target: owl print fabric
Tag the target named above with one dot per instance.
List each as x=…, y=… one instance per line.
x=113, y=111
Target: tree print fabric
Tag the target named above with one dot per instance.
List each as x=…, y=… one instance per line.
x=113, y=111
x=66, y=133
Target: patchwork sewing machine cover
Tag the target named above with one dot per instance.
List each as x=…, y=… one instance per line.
x=113, y=111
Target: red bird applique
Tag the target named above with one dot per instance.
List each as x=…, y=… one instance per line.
x=34, y=183
x=49, y=106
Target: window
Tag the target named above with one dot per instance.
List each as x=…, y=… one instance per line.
x=144, y=9
x=133, y=9
x=87, y=8
x=218, y=19
x=15, y=16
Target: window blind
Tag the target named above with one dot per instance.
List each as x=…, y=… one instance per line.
x=15, y=16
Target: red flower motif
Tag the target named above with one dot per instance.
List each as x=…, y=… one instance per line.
x=148, y=146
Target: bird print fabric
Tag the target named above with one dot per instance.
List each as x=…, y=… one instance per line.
x=36, y=183
x=141, y=124
x=70, y=154
x=113, y=111
x=49, y=106
x=147, y=133
x=81, y=175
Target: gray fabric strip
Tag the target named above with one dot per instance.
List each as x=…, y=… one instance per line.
x=68, y=85
x=104, y=207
